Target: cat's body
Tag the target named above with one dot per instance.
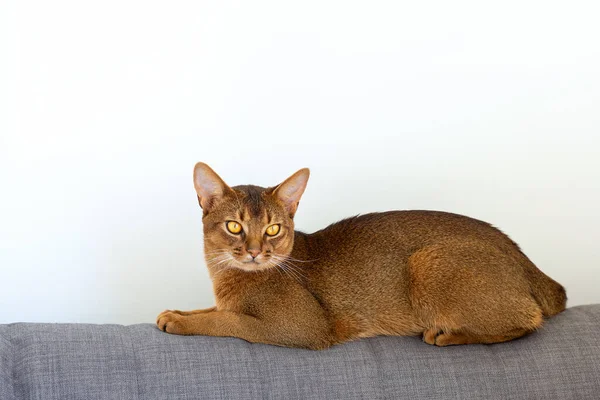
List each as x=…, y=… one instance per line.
x=447, y=277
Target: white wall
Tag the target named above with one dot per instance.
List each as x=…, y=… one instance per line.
x=486, y=110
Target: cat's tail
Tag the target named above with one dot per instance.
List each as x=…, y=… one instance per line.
x=549, y=294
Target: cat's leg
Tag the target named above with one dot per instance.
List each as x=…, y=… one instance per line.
x=471, y=293
x=447, y=339
x=247, y=327
x=440, y=338
x=204, y=310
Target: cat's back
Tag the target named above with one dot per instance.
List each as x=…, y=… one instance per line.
x=409, y=227
x=393, y=236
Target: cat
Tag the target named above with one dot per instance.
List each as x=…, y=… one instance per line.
x=448, y=278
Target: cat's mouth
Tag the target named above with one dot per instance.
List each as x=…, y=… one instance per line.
x=252, y=265
x=245, y=263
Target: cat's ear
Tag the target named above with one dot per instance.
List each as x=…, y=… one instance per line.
x=209, y=186
x=289, y=192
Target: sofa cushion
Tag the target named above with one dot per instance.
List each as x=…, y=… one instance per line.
x=81, y=361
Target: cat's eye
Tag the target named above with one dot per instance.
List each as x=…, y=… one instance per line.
x=234, y=227
x=272, y=230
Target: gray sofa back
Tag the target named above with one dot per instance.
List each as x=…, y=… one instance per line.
x=77, y=361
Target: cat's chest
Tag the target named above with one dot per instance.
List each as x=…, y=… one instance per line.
x=248, y=294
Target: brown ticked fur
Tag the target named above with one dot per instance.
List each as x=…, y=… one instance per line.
x=450, y=278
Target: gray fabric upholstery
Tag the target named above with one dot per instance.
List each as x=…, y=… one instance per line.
x=76, y=361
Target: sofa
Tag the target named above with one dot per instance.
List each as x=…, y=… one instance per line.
x=83, y=361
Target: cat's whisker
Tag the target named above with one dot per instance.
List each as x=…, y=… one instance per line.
x=295, y=259
x=297, y=277
x=217, y=253
x=224, y=267
x=291, y=265
x=279, y=267
x=272, y=263
x=222, y=261
x=213, y=260
x=216, y=259
x=212, y=256
x=285, y=270
x=296, y=273
x=291, y=269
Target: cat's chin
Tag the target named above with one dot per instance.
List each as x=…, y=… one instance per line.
x=252, y=266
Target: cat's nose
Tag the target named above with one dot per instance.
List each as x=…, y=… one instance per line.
x=254, y=252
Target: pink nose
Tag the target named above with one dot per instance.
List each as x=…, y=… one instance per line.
x=254, y=252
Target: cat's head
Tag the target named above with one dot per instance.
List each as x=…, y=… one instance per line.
x=247, y=227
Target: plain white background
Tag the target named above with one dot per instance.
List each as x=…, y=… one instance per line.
x=485, y=109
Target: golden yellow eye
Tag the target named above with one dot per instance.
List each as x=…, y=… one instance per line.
x=272, y=230
x=234, y=227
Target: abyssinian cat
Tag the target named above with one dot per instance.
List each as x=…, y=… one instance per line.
x=447, y=277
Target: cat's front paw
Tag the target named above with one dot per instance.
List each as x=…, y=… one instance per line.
x=166, y=312
x=171, y=322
